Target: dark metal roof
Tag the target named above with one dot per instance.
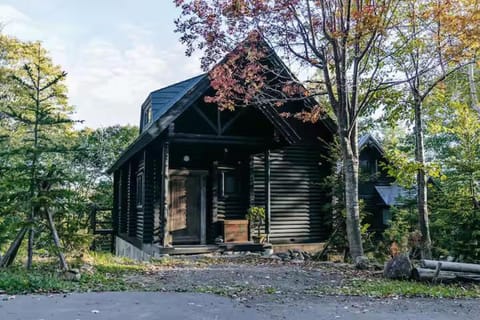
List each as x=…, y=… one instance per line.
x=393, y=195
x=368, y=140
x=163, y=99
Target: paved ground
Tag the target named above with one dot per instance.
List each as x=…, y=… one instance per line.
x=158, y=305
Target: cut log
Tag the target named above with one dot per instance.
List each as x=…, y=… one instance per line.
x=451, y=266
x=423, y=274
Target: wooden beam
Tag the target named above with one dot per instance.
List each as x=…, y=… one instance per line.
x=165, y=194
x=232, y=120
x=219, y=123
x=268, y=193
x=213, y=139
x=207, y=120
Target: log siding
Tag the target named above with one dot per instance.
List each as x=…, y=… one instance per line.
x=298, y=198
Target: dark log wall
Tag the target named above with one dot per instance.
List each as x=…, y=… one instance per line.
x=299, y=201
x=139, y=221
x=148, y=180
x=123, y=200
x=131, y=206
x=157, y=200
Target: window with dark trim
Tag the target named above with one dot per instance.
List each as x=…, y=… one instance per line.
x=140, y=190
x=369, y=166
x=229, y=183
x=147, y=115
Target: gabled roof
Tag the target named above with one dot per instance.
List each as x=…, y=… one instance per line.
x=368, y=140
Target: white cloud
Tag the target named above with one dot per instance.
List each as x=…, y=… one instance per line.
x=108, y=78
x=108, y=84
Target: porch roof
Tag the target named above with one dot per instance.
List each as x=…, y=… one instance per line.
x=392, y=195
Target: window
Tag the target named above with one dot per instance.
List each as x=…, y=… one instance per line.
x=387, y=217
x=369, y=166
x=147, y=115
x=140, y=190
x=229, y=183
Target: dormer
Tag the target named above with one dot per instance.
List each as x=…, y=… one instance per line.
x=146, y=115
x=160, y=101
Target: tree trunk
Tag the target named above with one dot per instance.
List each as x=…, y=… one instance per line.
x=56, y=241
x=422, y=204
x=350, y=169
x=31, y=237
x=473, y=87
x=11, y=253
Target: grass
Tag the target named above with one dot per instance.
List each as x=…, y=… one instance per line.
x=18, y=280
x=382, y=288
x=106, y=274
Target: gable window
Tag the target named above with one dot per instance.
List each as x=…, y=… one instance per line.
x=147, y=115
x=369, y=166
x=140, y=189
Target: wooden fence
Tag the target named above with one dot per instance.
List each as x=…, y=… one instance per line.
x=102, y=229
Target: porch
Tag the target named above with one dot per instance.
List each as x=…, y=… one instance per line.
x=185, y=186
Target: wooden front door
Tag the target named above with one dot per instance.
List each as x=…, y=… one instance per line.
x=187, y=208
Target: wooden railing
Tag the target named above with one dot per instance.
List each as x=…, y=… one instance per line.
x=101, y=228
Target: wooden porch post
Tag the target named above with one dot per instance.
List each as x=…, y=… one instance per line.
x=267, y=194
x=165, y=196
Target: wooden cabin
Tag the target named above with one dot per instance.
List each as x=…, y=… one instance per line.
x=194, y=170
x=377, y=189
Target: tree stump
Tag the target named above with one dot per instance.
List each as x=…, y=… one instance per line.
x=399, y=267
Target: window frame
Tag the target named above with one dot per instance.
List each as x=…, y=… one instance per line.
x=147, y=115
x=140, y=189
x=223, y=174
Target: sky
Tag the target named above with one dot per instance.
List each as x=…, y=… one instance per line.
x=114, y=51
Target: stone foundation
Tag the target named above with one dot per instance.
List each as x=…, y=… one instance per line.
x=126, y=249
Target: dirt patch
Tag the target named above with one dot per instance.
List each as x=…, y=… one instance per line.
x=243, y=277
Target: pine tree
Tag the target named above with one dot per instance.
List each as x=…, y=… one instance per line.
x=35, y=108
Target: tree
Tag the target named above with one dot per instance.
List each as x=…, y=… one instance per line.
x=97, y=151
x=35, y=105
x=455, y=132
x=343, y=41
x=432, y=50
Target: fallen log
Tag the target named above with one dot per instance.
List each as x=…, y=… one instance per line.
x=451, y=266
x=423, y=274
x=431, y=275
